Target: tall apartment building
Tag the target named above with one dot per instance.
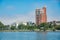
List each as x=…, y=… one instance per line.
x=41, y=16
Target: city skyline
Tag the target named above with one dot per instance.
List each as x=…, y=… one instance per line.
x=24, y=10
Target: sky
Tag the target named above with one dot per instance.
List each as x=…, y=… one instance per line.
x=24, y=10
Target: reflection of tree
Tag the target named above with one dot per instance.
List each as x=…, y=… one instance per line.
x=41, y=36
x=44, y=36
x=38, y=36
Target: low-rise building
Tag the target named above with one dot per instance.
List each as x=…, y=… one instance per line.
x=55, y=22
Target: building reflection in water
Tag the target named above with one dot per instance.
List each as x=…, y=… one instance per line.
x=41, y=36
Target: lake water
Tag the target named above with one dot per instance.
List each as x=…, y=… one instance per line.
x=29, y=35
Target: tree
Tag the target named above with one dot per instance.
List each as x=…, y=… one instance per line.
x=54, y=25
x=13, y=27
x=1, y=26
x=50, y=25
x=6, y=27
x=57, y=27
x=44, y=26
x=21, y=26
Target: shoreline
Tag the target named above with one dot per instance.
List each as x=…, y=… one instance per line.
x=28, y=31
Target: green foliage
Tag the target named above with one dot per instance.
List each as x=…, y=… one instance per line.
x=50, y=25
x=27, y=27
x=21, y=26
x=6, y=27
x=1, y=26
x=57, y=27
x=54, y=24
x=13, y=27
x=43, y=26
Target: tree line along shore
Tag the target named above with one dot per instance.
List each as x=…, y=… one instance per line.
x=29, y=28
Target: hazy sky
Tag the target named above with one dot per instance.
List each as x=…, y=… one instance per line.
x=24, y=10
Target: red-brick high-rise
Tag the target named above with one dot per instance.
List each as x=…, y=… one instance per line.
x=41, y=16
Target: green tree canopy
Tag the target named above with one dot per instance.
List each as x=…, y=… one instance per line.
x=1, y=26
x=13, y=27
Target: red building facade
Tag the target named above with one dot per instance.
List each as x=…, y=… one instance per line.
x=41, y=16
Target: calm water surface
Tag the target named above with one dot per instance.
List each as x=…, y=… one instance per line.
x=29, y=35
